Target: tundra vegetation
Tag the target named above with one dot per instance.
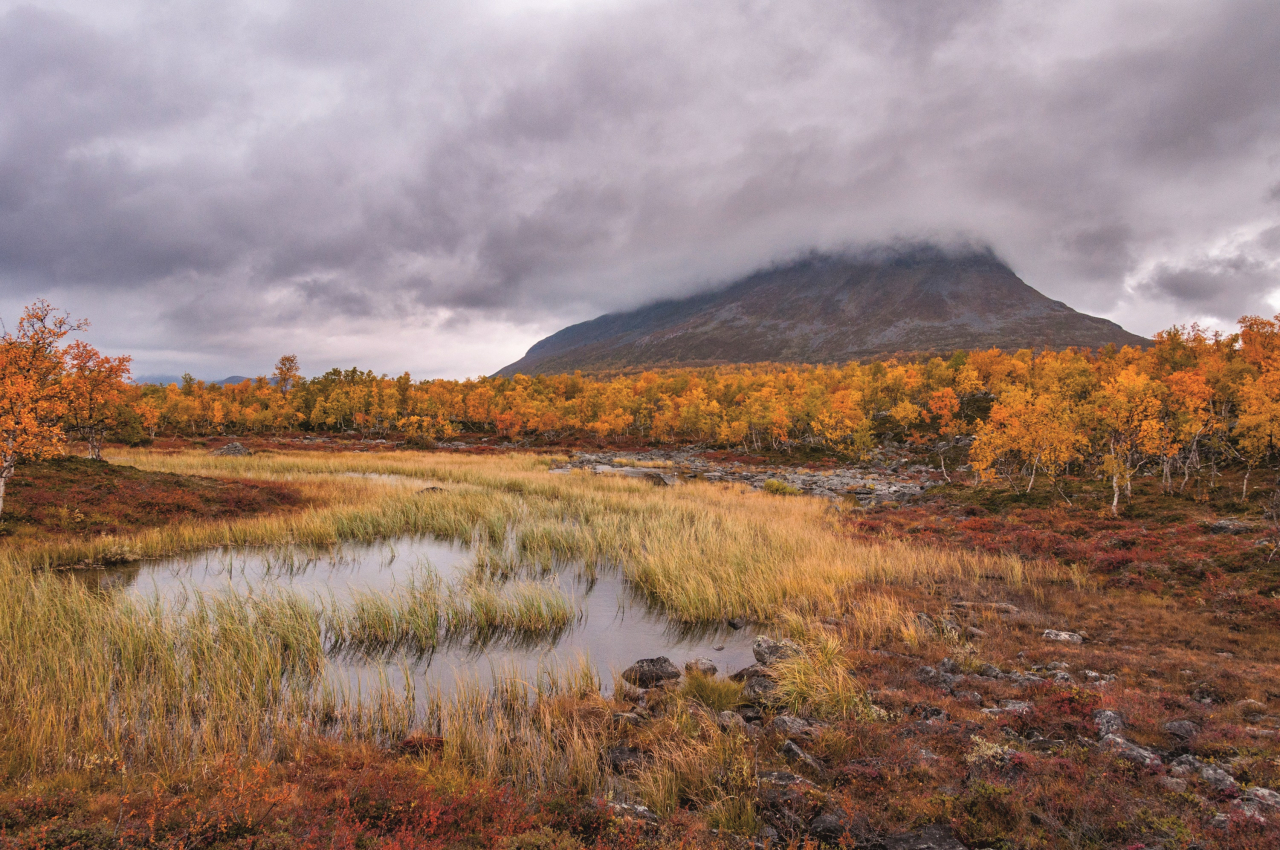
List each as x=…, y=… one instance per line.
x=1070, y=645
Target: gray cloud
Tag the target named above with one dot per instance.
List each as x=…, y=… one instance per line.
x=433, y=186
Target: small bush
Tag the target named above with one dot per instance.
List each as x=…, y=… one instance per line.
x=778, y=487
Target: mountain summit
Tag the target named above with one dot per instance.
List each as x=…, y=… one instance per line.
x=830, y=309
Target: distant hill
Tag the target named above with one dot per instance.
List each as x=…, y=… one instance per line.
x=165, y=380
x=829, y=309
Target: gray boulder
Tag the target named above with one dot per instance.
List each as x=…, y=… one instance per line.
x=231, y=450
x=1063, y=637
x=1182, y=729
x=1108, y=722
x=701, y=666
x=1131, y=752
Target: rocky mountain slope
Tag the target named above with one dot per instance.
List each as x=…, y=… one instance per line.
x=826, y=309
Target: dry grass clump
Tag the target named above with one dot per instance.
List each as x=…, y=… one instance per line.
x=818, y=684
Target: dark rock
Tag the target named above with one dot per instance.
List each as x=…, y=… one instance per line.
x=759, y=690
x=736, y=623
x=627, y=718
x=731, y=720
x=991, y=671
x=829, y=828
x=648, y=672
x=746, y=674
x=768, y=651
x=751, y=714
x=932, y=837
x=624, y=759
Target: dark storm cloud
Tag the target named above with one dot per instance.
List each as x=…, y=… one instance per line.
x=432, y=186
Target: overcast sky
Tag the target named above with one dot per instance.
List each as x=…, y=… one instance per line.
x=434, y=186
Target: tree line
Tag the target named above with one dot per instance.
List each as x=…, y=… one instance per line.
x=1189, y=405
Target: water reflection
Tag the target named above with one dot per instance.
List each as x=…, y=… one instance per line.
x=615, y=624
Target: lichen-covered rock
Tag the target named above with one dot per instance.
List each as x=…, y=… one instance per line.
x=648, y=672
x=1064, y=637
x=1108, y=722
x=769, y=651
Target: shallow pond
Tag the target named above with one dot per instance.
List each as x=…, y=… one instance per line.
x=614, y=627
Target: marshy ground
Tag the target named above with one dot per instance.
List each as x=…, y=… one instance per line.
x=972, y=669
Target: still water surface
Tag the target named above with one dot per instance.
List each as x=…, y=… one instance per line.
x=615, y=625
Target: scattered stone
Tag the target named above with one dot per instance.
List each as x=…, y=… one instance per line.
x=1183, y=729
x=1093, y=677
x=1218, y=779
x=1131, y=752
x=950, y=667
x=769, y=651
x=829, y=828
x=792, y=752
x=231, y=450
x=1172, y=784
x=1264, y=797
x=718, y=647
x=627, y=718
x=731, y=720
x=1230, y=526
x=1064, y=637
x=736, y=623
x=746, y=674
x=1185, y=765
x=1015, y=706
x=702, y=667
x=1108, y=722
x=792, y=726
x=624, y=759
x=633, y=812
x=1250, y=708
x=759, y=690
x=648, y=672
x=991, y=671
x=974, y=632
x=932, y=837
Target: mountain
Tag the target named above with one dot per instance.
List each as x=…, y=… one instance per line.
x=829, y=309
